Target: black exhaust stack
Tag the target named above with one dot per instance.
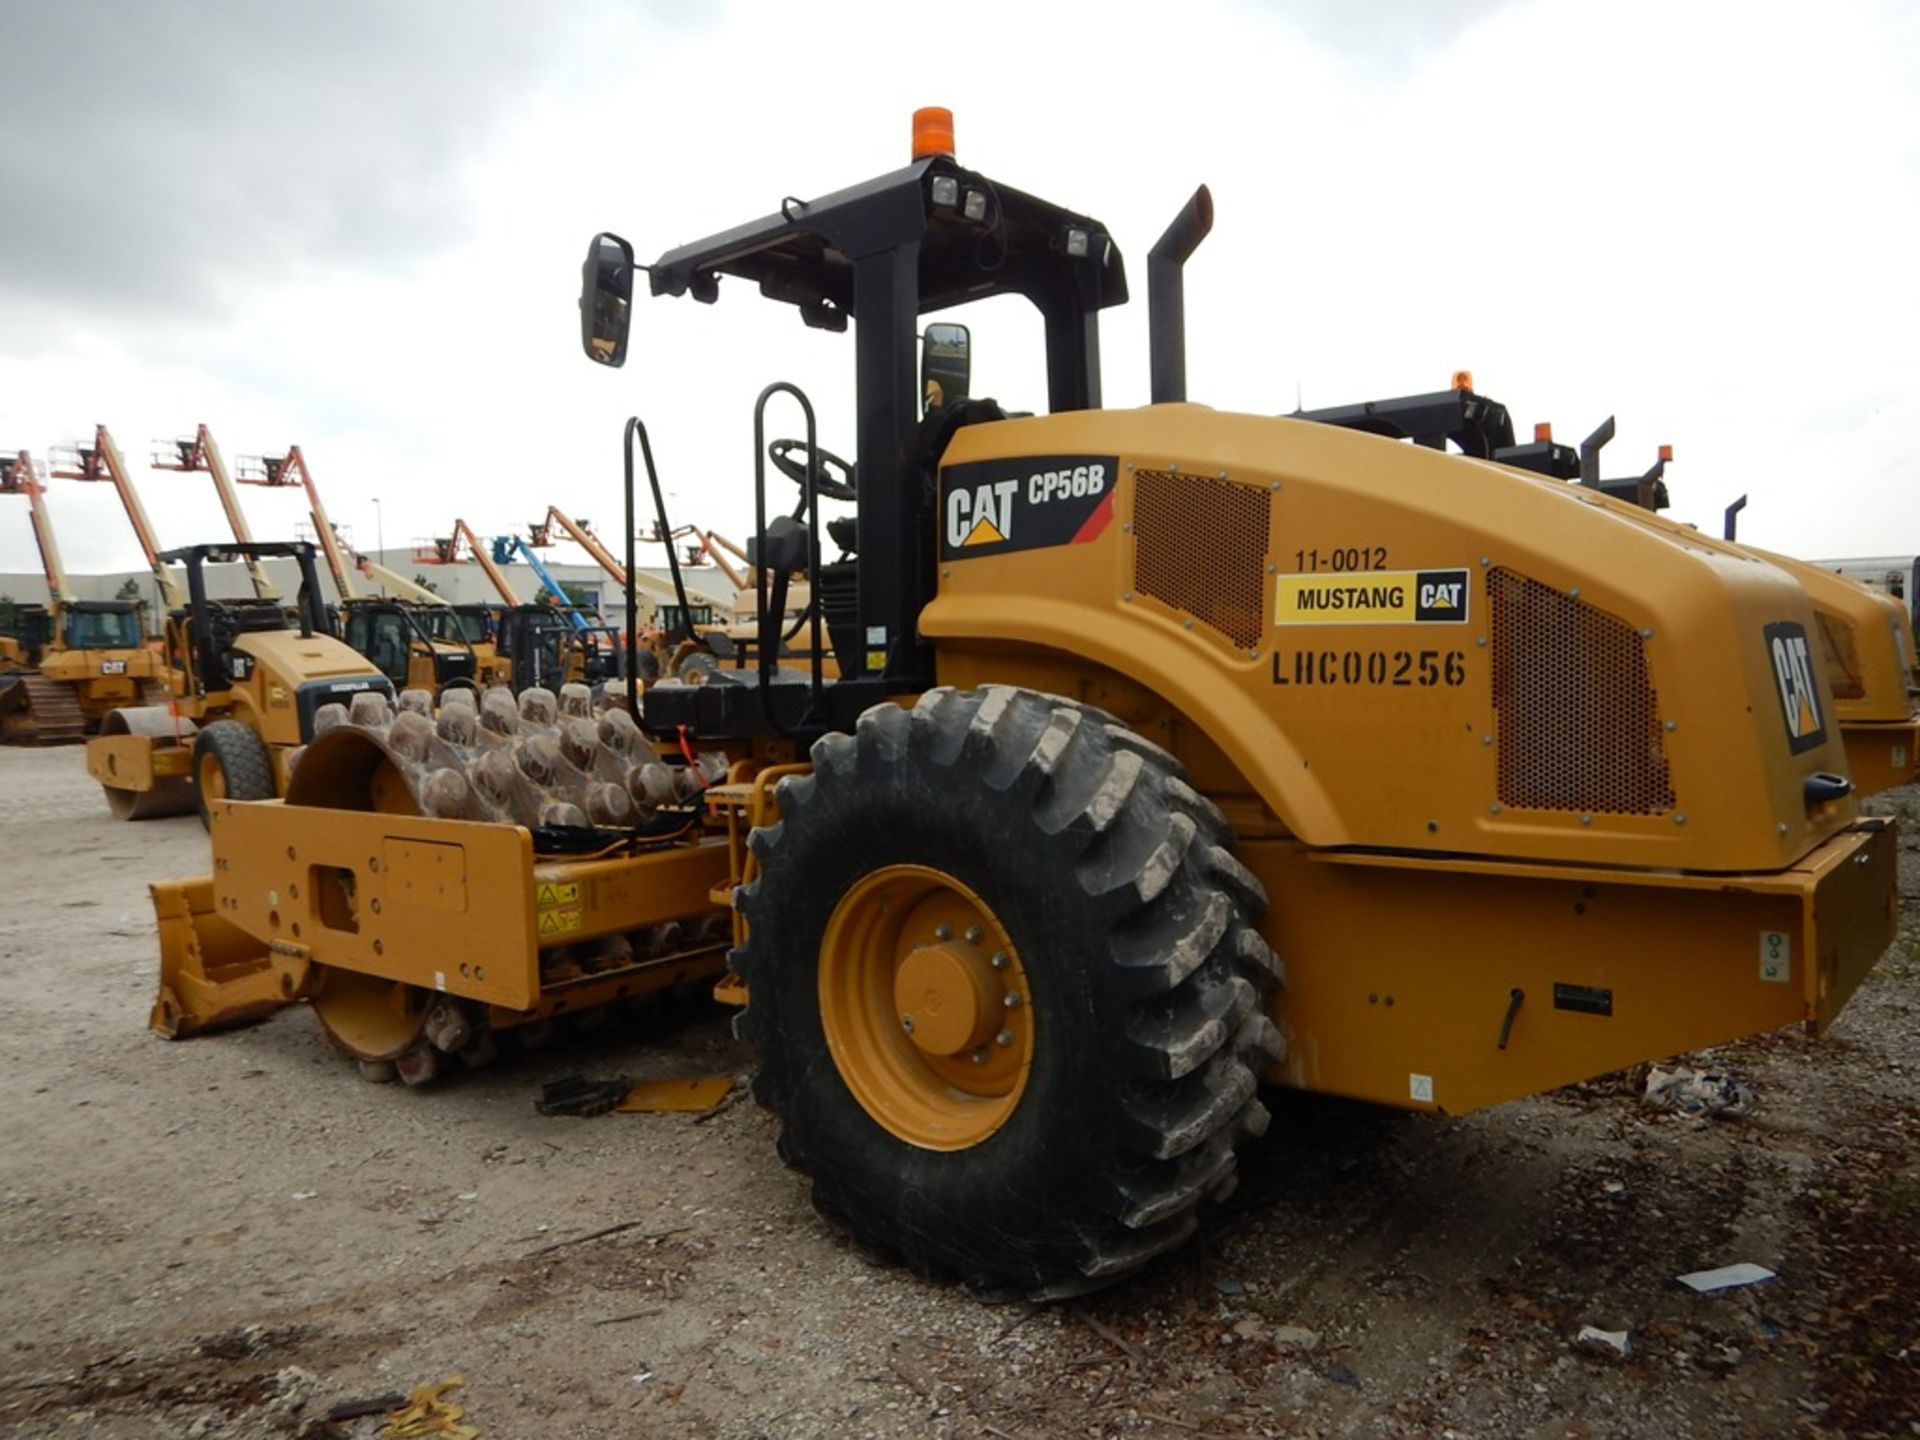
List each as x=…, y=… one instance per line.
x=1731, y=520
x=1590, y=453
x=1166, y=296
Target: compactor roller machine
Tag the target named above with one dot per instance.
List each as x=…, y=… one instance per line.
x=246, y=679
x=1866, y=640
x=1171, y=750
x=1864, y=635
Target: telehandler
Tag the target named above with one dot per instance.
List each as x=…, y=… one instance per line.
x=70, y=661
x=246, y=680
x=1117, y=805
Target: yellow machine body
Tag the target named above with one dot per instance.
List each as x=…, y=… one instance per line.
x=69, y=690
x=1482, y=735
x=1867, y=637
x=448, y=907
x=142, y=750
x=102, y=679
x=1525, y=772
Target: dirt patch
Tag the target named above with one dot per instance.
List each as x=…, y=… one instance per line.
x=225, y=1237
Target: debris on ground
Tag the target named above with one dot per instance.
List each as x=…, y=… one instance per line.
x=361, y=1408
x=1699, y=1093
x=660, y=1096
x=1726, y=1277
x=1594, y=1336
x=429, y=1415
x=577, y=1095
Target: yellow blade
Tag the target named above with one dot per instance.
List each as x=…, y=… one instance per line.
x=650, y=1096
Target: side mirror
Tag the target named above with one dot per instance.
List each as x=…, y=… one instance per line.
x=606, y=299
x=946, y=365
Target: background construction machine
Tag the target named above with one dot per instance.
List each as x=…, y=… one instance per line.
x=404, y=637
x=555, y=640
x=247, y=679
x=409, y=642
x=70, y=661
x=1894, y=575
x=1535, y=789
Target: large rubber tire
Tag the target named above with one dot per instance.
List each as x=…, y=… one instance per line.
x=238, y=757
x=1136, y=931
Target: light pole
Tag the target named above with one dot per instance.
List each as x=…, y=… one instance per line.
x=380, y=533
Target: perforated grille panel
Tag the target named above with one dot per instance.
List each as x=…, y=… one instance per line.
x=1200, y=545
x=1842, y=657
x=1576, y=718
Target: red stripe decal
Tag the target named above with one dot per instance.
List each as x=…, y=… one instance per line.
x=1098, y=521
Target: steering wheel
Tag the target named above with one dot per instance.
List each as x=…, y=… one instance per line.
x=790, y=459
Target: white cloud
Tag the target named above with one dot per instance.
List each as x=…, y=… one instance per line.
x=1696, y=217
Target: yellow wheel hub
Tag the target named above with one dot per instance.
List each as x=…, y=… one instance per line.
x=926, y=1008
x=213, y=779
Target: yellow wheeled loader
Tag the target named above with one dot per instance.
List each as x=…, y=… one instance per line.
x=1118, y=805
x=246, y=678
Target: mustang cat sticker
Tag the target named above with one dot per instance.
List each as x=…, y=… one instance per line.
x=1793, y=679
x=1374, y=597
x=993, y=506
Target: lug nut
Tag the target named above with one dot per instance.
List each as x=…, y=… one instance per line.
x=999, y=959
x=980, y=1056
x=974, y=932
x=1005, y=1037
x=1011, y=999
x=943, y=932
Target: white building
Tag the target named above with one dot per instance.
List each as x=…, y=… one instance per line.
x=460, y=583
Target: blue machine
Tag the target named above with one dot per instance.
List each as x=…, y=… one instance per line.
x=506, y=547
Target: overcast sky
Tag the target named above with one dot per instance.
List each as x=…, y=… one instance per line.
x=357, y=226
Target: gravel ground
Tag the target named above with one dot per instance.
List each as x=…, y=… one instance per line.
x=224, y=1238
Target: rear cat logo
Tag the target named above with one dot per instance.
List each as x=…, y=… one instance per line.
x=1793, y=678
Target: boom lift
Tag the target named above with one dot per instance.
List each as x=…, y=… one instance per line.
x=657, y=609
x=74, y=660
x=448, y=551
x=477, y=622
x=103, y=461
x=1524, y=811
x=393, y=580
x=201, y=453
x=552, y=644
x=508, y=547
x=414, y=651
x=556, y=641
x=276, y=471
x=654, y=596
